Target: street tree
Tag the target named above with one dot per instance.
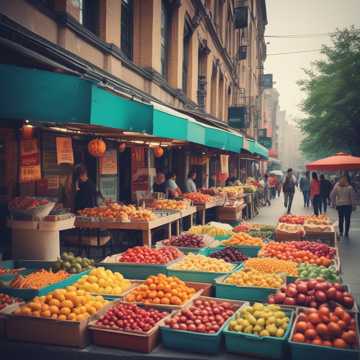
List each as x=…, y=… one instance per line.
x=332, y=98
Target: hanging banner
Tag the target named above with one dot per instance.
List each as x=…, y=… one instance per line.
x=64, y=150
x=224, y=164
x=108, y=163
x=139, y=170
x=30, y=169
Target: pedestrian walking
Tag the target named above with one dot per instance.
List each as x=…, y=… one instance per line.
x=305, y=188
x=325, y=190
x=289, y=190
x=266, y=190
x=315, y=193
x=272, y=186
x=343, y=197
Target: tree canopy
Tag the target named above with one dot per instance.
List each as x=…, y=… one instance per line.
x=332, y=102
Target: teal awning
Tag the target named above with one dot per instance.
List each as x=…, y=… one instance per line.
x=261, y=150
x=45, y=96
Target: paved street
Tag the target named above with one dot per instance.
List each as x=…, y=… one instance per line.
x=349, y=249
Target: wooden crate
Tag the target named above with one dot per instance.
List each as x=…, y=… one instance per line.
x=328, y=238
x=230, y=213
x=285, y=236
x=135, y=341
x=48, y=331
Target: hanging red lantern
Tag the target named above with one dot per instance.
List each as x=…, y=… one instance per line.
x=97, y=147
x=158, y=152
x=122, y=147
x=27, y=132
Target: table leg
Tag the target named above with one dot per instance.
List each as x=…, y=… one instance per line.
x=203, y=213
x=147, y=237
x=191, y=220
x=169, y=232
x=178, y=226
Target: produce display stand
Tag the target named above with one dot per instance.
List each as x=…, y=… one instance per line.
x=37, y=239
x=144, y=226
x=188, y=212
x=262, y=346
x=202, y=207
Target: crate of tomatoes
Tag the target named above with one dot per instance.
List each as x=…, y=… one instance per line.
x=325, y=333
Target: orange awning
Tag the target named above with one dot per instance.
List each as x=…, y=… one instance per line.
x=340, y=161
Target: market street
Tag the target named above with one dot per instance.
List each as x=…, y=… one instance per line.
x=349, y=249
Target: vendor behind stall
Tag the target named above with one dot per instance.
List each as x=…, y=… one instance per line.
x=86, y=195
x=172, y=188
x=190, y=185
x=160, y=183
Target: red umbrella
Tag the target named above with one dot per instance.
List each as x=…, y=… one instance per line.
x=340, y=161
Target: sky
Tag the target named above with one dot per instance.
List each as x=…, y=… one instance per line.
x=288, y=17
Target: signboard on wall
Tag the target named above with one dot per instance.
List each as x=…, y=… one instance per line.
x=108, y=163
x=139, y=170
x=30, y=169
x=108, y=187
x=64, y=150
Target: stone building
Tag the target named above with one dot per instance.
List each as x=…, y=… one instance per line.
x=200, y=56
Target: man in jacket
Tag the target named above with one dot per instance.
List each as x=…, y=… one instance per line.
x=289, y=189
x=305, y=188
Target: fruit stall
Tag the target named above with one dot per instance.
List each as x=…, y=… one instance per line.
x=38, y=221
x=234, y=292
x=126, y=217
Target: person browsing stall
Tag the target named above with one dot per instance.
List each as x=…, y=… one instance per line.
x=190, y=185
x=172, y=188
x=159, y=185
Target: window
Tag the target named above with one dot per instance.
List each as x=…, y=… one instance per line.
x=186, y=46
x=89, y=15
x=164, y=36
x=127, y=27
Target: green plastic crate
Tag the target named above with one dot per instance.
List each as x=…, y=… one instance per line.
x=300, y=351
x=207, y=251
x=197, y=276
x=222, y=237
x=249, y=251
x=35, y=264
x=245, y=293
x=29, y=294
x=9, y=264
x=262, y=346
x=135, y=271
x=191, y=341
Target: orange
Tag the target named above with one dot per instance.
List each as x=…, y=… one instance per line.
x=71, y=317
x=156, y=300
x=54, y=316
x=36, y=313
x=54, y=309
x=65, y=311
x=165, y=301
x=45, y=313
x=44, y=307
x=62, y=317
x=55, y=302
x=67, y=303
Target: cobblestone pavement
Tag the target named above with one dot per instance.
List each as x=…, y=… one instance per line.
x=349, y=248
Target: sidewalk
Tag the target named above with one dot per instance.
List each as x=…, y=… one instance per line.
x=349, y=248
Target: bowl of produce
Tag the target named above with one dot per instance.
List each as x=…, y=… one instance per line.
x=30, y=206
x=73, y=264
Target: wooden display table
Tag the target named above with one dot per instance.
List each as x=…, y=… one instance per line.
x=144, y=226
x=37, y=239
x=201, y=208
x=188, y=212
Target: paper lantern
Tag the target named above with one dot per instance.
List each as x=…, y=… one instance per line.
x=27, y=131
x=97, y=147
x=122, y=147
x=158, y=152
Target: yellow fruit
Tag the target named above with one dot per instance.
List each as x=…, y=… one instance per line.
x=65, y=311
x=36, y=314
x=62, y=317
x=67, y=303
x=54, y=309
x=72, y=317
x=34, y=306
x=81, y=317
x=54, y=302
x=45, y=313
x=54, y=316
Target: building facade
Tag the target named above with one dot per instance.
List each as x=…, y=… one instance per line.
x=196, y=55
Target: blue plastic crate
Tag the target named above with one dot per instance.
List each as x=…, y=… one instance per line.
x=29, y=294
x=9, y=264
x=251, y=344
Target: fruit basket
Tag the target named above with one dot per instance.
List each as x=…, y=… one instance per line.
x=200, y=289
x=210, y=251
x=134, y=270
x=28, y=208
x=196, y=341
x=28, y=294
x=256, y=345
x=140, y=340
x=197, y=275
x=303, y=350
x=245, y=293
